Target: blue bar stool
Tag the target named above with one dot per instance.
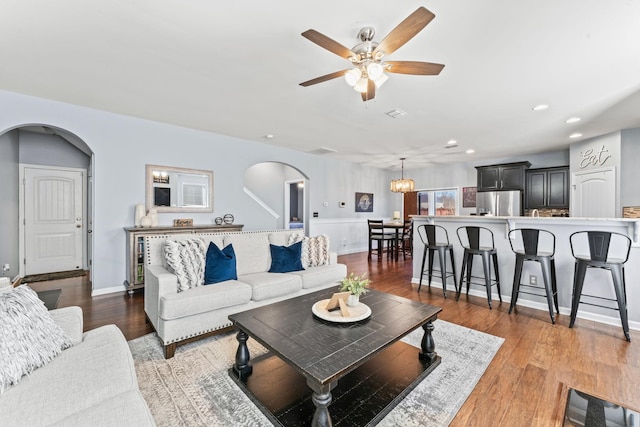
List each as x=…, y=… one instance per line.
x=478, y=241
x=436, y=240
x=599, y=244
x=530, y=244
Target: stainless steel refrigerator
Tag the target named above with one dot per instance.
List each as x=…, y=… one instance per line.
x=499, y=203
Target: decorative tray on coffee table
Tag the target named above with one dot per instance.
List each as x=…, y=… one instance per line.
x=356, y=313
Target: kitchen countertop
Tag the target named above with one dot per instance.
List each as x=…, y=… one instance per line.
x=525, y=218
x=562, y=228
x=632, y=224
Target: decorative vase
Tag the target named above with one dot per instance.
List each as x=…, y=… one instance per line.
x=353, y=300
x=145, y=221
x=139, y=213
x=153, y=214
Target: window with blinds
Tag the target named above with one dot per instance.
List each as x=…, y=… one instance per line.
x=193, y=195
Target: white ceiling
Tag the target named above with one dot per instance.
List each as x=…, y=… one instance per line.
x=234, y=68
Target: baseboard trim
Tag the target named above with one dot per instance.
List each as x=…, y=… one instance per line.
x=104, y=291
x=566, y=311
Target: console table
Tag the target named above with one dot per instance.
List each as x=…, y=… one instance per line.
x=135, y=247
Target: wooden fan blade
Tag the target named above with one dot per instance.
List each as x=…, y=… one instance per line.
x=370, y=93
x=405, y=31
x=329, y=44
x=414, y=67
x=324, y=78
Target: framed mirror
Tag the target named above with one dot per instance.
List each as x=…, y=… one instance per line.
x=172, y=189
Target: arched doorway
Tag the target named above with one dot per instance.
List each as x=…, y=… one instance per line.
x=280, y=191
x=52, y=193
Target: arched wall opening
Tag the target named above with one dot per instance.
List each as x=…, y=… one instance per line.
x=38, y=146
x=280, y=192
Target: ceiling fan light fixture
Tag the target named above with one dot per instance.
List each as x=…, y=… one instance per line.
x=380, y=80
x=361, y=85
x=367, y=72
x=352, y=76
x=374, y=71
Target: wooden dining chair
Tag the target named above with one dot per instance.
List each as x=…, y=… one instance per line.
x=382, y=239
x=406, y=241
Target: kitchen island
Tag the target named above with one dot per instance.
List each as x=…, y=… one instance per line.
x=597, y=282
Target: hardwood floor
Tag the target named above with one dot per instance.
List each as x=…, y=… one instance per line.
x=522, y=385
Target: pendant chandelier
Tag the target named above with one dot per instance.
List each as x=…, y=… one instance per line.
x=402, y=185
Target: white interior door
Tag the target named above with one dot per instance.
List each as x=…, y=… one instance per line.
x=593, y=194
x=53, y=220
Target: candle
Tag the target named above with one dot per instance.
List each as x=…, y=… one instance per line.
x=396, y=214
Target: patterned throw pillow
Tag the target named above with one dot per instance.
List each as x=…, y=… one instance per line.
x=315, y=250
x=29, y=337
x=186, y=259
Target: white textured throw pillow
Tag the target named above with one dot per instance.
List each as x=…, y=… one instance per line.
x=29, y=337
x=315, y=250
x=186, y=259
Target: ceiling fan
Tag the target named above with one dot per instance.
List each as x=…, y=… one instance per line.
x=369, y=70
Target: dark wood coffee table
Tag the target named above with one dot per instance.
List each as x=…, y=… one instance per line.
x=361, y=369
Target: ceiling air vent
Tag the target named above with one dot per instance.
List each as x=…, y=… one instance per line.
x=396, y=113
x=322, y=150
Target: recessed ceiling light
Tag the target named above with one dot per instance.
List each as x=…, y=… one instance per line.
x=452, y=142
x=269, y=136
x=575, y=135
x=470, y=151
x=540, y=107
x=572, y=120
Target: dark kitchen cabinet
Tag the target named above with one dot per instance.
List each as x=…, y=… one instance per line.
x=508, y=176
x=547, y=188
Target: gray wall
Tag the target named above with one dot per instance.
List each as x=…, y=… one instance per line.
x=629, y=168
x=121, y=148
x=50, y=150
x=9, y=194
x=266, y=180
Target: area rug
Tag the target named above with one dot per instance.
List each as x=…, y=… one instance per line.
x=50, y=298
x=194, y=389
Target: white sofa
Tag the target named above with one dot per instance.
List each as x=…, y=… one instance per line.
x=179, y=317
x=93, y=383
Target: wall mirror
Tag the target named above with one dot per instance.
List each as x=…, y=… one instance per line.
x=171, y=189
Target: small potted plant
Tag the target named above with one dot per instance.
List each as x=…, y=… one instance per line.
x=356, y=285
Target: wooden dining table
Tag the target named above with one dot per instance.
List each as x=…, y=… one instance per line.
x=397, y=226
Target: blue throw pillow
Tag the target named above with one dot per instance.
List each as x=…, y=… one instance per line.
x=286, y=258
x=220, y=264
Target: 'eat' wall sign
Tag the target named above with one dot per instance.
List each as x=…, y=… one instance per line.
x=594, y=157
